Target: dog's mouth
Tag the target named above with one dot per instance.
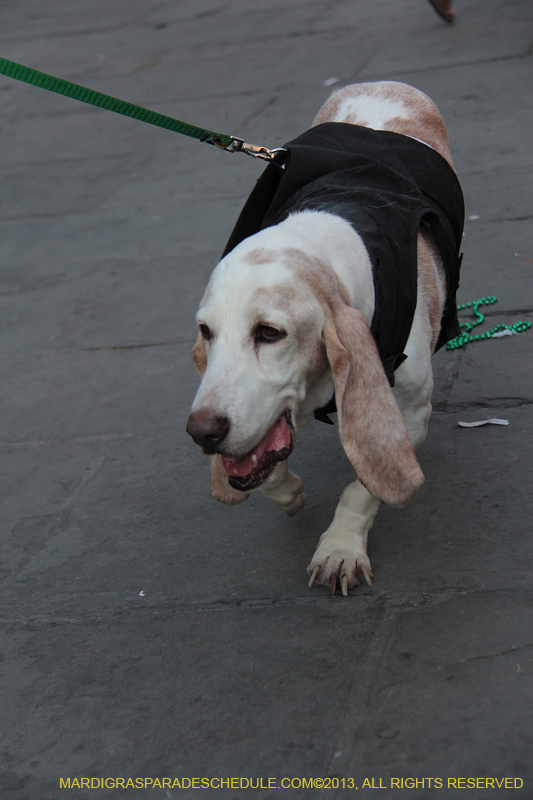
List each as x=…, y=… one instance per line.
x=251, y=470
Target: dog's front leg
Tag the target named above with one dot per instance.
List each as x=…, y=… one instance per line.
x=285, y=489
x=341, y=551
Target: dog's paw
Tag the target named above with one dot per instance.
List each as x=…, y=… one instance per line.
x=286, y=490
x=345, y=565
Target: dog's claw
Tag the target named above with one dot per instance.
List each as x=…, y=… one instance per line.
x=367, y=577
x=343, y=568
x=313, y=576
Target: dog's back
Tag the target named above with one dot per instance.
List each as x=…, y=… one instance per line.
x=389, y=106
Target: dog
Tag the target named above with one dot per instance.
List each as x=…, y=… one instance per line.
x=288, y=319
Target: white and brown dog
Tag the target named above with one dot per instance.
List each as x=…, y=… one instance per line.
x=285, y=323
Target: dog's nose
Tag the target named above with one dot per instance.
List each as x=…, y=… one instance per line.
x=207, y=429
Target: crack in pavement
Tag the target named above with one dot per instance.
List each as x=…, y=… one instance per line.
x=506, y=169
x=494, y=402
x=140, y=22
x=447, y=381
x=279, y=35
x=138, y=346
x=257, y=113
x=401, y=604
x=126, y=156
x=507, y=312
x=495, y=655
x=51, y=620
x=364, y=63
x=51, y=215
x=511, y=219
x=483, y=657
x=88, y=437
x=459, y=64
x=58, y=517
x=343, y=749
x=124, y=269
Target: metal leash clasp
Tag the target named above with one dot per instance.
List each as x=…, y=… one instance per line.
x=255, y=151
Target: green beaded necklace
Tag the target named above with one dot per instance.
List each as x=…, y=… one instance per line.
x=465, y=336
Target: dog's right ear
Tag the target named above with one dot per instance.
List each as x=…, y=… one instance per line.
x=199, y=355
x=220, y=488
x=371, y=427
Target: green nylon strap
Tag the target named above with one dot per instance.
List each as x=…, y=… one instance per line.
x=32, y=76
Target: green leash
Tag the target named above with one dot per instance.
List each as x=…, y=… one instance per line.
x=221, y=140
x=465, y=337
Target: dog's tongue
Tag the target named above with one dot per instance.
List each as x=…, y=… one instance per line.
x=277, y=438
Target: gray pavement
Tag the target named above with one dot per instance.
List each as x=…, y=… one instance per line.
x=146, y=630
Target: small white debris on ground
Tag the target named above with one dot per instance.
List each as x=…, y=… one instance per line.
x=483, y=422
x=330, y=81
x=505, y=332
x=141, y=594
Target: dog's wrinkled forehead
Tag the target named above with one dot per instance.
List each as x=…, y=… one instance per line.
x=255, y=281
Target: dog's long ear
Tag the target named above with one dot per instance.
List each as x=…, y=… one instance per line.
x=220, y=488
x=371, y=427
x=199, y=354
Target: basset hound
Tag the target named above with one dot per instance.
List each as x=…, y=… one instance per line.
x=335, y=289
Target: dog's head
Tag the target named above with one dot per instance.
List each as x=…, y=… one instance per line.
x=276, y=338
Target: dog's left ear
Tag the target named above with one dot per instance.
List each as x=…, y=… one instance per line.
x=371, y=427
x=199, y=355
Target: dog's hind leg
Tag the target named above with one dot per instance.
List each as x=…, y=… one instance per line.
x=285, y=489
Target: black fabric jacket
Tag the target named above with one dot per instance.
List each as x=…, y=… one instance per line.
x=385, y=185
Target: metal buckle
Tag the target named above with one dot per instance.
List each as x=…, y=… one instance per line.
x=255, y=151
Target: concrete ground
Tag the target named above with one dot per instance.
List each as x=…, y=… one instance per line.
x=148, y=632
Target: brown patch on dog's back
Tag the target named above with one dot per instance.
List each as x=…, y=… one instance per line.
x=422, y=119
x=427, y=129
x=260, y=255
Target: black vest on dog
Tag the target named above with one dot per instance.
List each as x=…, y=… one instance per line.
x=385, y=185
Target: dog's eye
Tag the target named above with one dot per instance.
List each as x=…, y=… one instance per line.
x=267, y=333
x=206, y=333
